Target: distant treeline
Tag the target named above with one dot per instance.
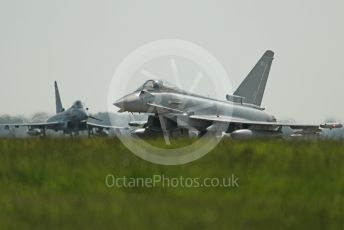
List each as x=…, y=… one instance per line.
x=116, y=119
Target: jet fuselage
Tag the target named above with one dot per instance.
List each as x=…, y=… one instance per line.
x=191, y=104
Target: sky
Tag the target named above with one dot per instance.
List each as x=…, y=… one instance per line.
x=81, y=44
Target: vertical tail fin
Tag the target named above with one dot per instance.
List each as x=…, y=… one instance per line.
x=58, y=102
x=253, y=87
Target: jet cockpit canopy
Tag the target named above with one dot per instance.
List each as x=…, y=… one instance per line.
x=158, y=85
x=78, y=105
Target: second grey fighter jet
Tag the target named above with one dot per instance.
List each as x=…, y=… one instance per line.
x=174, y=110
x=70, y=121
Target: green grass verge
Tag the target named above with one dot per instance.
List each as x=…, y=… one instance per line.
x=60, y=184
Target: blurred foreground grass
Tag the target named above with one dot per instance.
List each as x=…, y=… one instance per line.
x=60, y=184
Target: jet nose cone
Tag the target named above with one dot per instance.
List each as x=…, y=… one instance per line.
x=119, y=103
x=130, y=103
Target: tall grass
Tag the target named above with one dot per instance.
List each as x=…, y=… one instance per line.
x=60, y=184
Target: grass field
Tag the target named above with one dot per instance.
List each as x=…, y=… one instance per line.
x=60, y=184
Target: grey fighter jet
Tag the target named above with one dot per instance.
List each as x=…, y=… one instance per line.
x=173, y=110
x=70, y=121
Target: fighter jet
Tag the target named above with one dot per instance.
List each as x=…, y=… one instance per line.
x=70, y=121
x=173, y=110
